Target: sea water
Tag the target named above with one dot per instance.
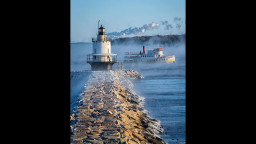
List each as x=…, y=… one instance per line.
x=163, y=86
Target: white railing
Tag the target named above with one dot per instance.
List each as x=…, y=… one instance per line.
x=101, y=58
x=95, y=40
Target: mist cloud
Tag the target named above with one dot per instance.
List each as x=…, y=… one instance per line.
x=177, y=23
x=166, y=25
x=136, y=30
x=177, y=19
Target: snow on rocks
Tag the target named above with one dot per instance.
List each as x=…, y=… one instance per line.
x=112, y=113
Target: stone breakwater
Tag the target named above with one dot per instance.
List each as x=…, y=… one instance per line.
x=112, y=113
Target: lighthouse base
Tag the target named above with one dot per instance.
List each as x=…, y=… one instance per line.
x=99, y=66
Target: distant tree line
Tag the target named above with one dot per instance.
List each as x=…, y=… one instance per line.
x=157, y=39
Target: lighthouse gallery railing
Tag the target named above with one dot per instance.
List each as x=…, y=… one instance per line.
x=101, y=58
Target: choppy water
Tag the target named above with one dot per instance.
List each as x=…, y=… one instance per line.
x=163, y=86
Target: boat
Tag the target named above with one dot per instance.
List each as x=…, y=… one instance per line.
x=152, y=56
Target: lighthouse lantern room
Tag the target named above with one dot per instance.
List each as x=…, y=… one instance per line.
x=101, y=57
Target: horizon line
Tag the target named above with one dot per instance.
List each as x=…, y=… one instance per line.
x=131, y=37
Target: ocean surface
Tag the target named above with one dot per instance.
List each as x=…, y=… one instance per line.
x=163, y=86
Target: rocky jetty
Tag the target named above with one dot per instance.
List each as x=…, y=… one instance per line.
x=112, y=113
x=130, y=74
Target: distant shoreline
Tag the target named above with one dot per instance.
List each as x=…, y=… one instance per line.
x=164, y=39
x=156, y=39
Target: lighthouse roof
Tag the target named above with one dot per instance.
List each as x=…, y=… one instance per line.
x=101, y=27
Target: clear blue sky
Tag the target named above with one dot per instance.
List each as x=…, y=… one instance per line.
x=117, y=15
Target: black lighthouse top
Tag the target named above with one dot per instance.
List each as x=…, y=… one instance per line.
x=101, y=30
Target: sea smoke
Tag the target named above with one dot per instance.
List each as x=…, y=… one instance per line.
x=167, y=25
x=177, y=23
x=136, y=30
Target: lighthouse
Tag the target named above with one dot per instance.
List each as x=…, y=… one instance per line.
x=101, y=57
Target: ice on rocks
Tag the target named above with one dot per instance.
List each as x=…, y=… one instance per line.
x=111, y=112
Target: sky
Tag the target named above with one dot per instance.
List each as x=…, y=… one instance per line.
x=120, y=15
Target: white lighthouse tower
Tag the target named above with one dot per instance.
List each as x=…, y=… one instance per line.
x=101, y=57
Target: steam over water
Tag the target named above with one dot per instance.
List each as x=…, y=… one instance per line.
x=163, y=86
